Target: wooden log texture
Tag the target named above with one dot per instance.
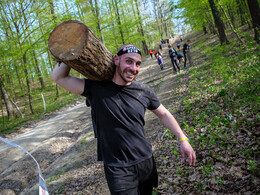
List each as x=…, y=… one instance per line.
x=75, y=44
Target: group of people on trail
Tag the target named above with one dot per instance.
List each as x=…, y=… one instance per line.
x=177, y=57
x=118, y=108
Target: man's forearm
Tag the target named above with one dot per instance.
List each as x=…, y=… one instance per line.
x=170, y=122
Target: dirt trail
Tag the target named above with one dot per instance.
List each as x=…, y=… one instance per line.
x=65, y=147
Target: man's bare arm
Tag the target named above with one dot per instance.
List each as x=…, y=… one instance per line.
x=60, y=75
x=169, y=122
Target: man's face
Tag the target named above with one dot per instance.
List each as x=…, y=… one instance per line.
x=127, y=67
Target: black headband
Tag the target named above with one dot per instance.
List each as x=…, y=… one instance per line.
x=129, y=49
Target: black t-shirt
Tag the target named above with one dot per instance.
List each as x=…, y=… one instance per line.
x=118, y=120
x=186, y=47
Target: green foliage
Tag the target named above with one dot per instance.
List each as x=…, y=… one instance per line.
x=194, y=12
x=197, y=14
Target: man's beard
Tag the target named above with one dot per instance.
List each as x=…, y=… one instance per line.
x=121, y=74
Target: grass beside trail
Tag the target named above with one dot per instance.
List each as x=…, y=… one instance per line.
x=220, y=114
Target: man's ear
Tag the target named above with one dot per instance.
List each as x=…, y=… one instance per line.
x=116, y=60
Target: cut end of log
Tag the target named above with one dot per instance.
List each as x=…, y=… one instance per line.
x=68, y=39
x=75, y=44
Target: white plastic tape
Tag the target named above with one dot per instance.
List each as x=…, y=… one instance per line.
x=42, y=185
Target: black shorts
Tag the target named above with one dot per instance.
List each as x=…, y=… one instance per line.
x=137, y=179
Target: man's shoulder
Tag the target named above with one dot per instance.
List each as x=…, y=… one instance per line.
x=139, y=85
x=89, y=83
x=96, y=82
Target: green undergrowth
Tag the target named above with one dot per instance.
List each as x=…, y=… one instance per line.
x=220, y=115
x=221, y=111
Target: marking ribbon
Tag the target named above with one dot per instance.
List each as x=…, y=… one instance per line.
x=42, y=185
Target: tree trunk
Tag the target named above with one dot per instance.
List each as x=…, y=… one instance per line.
x=241, y=12
x=95, y=11
x=165, y=26
x=75, y=44
x=66, y=5
x=119, y=22
x=79, y=11
x=28, y=84
x=230, y=13
x=218, y=22
x=2, y=110
x=211, y=26
x=51, y=5
x=230, y=23
x=145, y=48
x=99, y=22
x=255, y=15
x=205, y=30
x=157, y=18
x=38, y=71
x=161, y=19
x=110, y=6
x=52, y=11
x=8, y=104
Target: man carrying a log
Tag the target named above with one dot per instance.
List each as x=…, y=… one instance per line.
x=118, y=109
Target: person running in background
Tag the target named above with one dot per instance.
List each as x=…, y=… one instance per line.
x=186, y=53
x=173, y=56
x=181, y=38
x=159, y=60
x=151, y=53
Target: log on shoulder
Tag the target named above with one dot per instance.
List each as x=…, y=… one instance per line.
x=75, y=44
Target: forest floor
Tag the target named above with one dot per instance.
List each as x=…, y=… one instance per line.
x=65, y=147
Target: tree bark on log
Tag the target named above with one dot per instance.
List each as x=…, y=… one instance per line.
x=76, y=45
